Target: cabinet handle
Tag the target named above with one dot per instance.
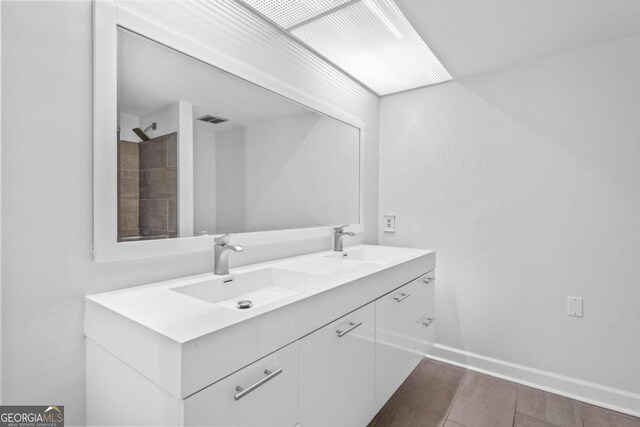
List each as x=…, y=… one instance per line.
x=401, y=297
x=244, y=391
x=428, y=280
x=429, y=321
x=351, y=327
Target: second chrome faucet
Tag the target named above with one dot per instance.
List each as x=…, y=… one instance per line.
x=221, y=252
x=338, y=235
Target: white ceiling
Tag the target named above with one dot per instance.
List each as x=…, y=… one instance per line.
x=152, y=76
x=472, y=36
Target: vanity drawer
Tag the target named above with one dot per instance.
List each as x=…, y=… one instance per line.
x=425, y=293
x=425, y=332
x=337, y=372
x=264, y=393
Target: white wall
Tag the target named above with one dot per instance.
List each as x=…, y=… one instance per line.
x=47, y=193
x=296, y=171
x=230, y=146
x=127, y=122
x=527, y=184
x=204, y=178
x=185, y=169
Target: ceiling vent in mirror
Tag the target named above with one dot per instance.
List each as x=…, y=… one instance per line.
x=212, y=119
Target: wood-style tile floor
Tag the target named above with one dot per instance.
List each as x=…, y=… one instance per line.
x=441, y=395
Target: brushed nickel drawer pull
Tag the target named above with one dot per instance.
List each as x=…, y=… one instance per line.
x=244, y=391
x=401, y=297
x=351, y=327
x=429, y=321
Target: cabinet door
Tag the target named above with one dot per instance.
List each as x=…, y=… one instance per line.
x=425, y=313
x=425, y=332
x=425, y=294
x=395, y=341
x=337, y=372
x=264, y=393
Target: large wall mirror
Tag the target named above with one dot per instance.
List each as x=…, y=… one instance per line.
x=201, y=152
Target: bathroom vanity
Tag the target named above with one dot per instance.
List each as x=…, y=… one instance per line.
x=322, y=339
x=327, y=339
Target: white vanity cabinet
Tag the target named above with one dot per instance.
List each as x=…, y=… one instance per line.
x=331, y=351
x=395, y=341
x=337, y=372
x=264, y=393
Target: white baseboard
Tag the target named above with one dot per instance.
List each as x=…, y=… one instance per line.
x=584, y=391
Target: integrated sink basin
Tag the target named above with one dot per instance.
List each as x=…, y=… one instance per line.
x=370, y=255
x=258, y=287
x=329, y=266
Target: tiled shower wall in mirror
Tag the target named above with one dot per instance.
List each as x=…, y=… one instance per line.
x=147, y=188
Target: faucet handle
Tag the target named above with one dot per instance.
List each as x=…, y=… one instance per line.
x=222, y=240
x=341, y=228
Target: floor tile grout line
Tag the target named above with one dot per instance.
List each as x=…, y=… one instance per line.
x=515, y=409
x=455, y=398
x=536, y=418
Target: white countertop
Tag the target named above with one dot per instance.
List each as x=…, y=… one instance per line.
x=183, y=318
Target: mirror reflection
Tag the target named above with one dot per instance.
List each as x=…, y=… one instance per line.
x=201, y=152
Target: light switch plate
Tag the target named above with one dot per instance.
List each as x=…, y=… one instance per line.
x=389, y=225
x=574, y=306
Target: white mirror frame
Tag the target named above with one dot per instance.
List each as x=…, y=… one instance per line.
x=107, y=18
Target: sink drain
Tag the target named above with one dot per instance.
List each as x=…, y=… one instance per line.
x=244, y=304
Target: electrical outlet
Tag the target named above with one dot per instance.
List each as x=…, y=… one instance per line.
x=574, y=306
x=389, y=225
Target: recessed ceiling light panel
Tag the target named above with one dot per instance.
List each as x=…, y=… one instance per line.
x=289, y=13
x=369, y=39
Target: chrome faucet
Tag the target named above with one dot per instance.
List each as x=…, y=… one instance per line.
x=221, y=254
x=338, y=235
